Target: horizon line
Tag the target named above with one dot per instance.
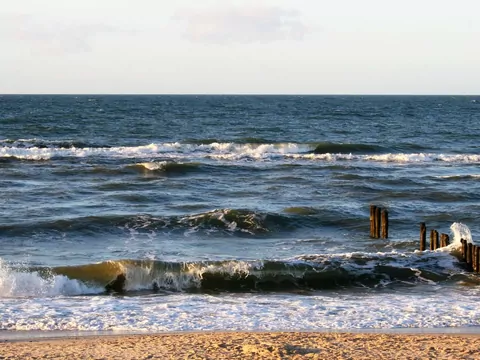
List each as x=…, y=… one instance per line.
x=235, y=94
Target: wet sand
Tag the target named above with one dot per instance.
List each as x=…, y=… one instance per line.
x=248, y=345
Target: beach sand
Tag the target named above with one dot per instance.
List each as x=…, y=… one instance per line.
x=249, y=345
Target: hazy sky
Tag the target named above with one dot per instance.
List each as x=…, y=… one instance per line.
x=227, y=46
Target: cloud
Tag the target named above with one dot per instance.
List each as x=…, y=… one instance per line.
x=51, y=35
x=242, y=25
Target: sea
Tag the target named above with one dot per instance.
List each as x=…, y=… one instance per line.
x=236, y=213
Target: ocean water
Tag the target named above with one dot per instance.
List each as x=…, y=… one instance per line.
x=235, y=212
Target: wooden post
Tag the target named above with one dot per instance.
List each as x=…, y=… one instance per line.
x=477, y=259
x=384, y=224
x=423, y=236
x=474, y=258
x=446, y=240
x=378, y=218
x=442, y=240
x=373, y=213
x=469, y=257
x=432, y=239
x=464, y=249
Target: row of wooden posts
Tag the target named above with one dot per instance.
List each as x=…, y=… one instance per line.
x=471, y=256
x=379, y=229
x=470, y=252
x=434, y=240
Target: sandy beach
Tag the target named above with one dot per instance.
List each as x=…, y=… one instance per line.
x=249, y=345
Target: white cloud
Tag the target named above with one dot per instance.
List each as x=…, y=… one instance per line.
x=49, y=34
x=241, y=25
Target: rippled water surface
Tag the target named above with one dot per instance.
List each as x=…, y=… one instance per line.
x=234, y=212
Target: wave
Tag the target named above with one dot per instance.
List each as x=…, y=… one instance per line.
x=401, y=158
x=147, y=167
x=50, y=144
x=164, y=150
x=235, y=221
x=251, y=149
x=246, y=140
x=302, y=210
x=301, y=273
x=409, y=147
x=473, y=177
x=49, y=153
x=167, y=167
x=227, y=151
x=332, y=148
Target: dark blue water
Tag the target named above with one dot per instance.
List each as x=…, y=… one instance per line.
x=230, y=194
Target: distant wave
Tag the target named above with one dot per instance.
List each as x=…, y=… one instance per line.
x=332, y=148
x=392, y=158
x=149, y=167
x=301, y=210
x=50, y=144
x=168, y=150
x=226, y=151
x=167, y=167
x=305, y=273
x=474, y=177
x=228, y=221
x=246, y=140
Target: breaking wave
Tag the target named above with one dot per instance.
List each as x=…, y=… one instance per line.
x=301, y=273
x=191, y=152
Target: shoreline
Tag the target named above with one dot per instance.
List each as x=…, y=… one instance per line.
x=49, y=335
x=248, y=345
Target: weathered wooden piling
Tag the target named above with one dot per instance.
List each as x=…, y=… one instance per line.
x=444, y=240
x=423, y=236
x=477, y=259
x=384, y=224
x=464, y=249
x=434, y=240
x=373, y=211
x=470, y=257
x=378, y=224
x=474, y=258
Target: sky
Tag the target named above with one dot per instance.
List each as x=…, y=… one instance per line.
x=240, y=47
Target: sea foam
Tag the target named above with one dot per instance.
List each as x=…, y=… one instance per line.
x=16, y=283
x=247, y=312
x=223, y=152
x=460, y=231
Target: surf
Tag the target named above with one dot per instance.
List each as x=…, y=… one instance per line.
x=301, y=273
